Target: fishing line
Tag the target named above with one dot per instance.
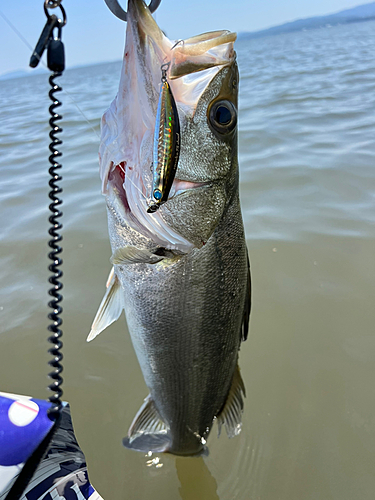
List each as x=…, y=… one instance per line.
x=16, y=30
x=111, y=150
x=136, y=187
x=82, y=113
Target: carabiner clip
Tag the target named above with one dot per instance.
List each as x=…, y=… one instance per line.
x=46, y=35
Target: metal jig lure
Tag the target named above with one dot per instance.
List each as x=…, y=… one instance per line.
x=166, y=144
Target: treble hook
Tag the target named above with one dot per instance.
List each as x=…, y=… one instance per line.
x=119, y=12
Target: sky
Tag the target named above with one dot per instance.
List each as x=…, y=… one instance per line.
x=93, y=34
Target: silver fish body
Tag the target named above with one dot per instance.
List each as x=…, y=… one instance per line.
x=182, y=273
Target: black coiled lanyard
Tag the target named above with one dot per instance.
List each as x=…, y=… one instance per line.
x=50, y=39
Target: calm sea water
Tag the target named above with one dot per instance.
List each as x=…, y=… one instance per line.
x=307, y=156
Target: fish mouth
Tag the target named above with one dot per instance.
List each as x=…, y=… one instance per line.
x=187, y=56
x=128, y=125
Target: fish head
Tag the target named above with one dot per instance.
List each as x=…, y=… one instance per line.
x=203, y=77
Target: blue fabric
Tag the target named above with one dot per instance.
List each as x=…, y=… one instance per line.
x=23, y=426
x=63, y=471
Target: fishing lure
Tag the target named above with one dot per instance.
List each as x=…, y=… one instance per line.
x=166, y=144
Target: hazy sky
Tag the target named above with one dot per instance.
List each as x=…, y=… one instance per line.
x=93, y=34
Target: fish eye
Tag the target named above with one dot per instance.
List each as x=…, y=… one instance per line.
x=223, y=116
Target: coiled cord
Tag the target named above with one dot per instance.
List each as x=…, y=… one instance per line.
x=55, y=339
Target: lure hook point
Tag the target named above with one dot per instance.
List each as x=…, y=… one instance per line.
x=182, y=42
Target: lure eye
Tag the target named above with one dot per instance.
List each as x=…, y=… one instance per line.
x=223, y=116
x=157, y=194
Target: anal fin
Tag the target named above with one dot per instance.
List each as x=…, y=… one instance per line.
x=231, y=414
x=148, y=432
x=110, y=307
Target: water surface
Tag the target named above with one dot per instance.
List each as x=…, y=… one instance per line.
x=307, y=155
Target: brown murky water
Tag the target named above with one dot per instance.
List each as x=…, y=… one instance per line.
x=307, y=151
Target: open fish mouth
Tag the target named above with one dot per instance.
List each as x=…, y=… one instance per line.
x=126, y=150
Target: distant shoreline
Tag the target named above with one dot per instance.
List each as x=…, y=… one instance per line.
x=269, y=32
x=12, y=75
x=359, y=14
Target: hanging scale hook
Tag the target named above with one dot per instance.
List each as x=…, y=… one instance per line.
x=119, y=12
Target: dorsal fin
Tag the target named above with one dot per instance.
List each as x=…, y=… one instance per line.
x=231, y=415
x=110, y=307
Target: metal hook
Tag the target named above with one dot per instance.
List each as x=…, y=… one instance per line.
x=182, y=42
x=119, y=12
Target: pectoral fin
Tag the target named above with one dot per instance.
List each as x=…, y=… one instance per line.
x=110, y=308
x=231, y=415
x=133, y=255
x=148, y=432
